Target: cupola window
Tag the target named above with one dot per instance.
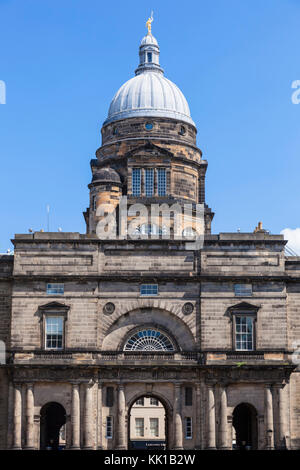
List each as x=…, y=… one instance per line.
x=149, y=56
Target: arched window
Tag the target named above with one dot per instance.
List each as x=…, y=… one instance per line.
x=189, y=232
x=151, y=229
x=149, y=339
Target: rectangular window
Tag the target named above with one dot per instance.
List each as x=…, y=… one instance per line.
x=94, y=203
x=109, y=396
x=149, y=56
x=243, y=333
x=139, y=427
x=54, y=332
x=243, y=290
x=140, y=402
x=161, y=182
x=149, y=182
x=188, y=396
x=136, y=181
x=55, y=289
x=153, y=401
x=109, y=427
x=154, y=427
x=188, y=428
x=149, y=289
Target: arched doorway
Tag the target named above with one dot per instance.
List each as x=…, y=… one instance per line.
x=147, y=424
x=53, y=420
x=245, y=427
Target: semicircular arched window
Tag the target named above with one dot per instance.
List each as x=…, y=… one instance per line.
x=150, y=229
x=149, y=339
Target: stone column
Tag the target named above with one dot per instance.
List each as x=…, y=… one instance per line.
x=10, y=415
x=211, y=418
x=75, y=417
x=281, y=443
x=269, y=426
x=177, y=418
x=17, y=437
x=198, y=426
x=121, y=440
x=100, y=390
x=88, y=417
x=223, y=418
x=29, y=417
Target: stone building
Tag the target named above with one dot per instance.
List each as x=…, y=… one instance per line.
x=147, y=424
x=91, y=324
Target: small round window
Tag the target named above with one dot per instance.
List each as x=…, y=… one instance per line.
x=182, y=130
x=149, y=126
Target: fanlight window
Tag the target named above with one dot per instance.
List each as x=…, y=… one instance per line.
x=149, y=340
x=150, y=229
x=189, y=232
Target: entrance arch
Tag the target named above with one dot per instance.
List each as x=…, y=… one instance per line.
x=245, y=426
x=148, y=423
x=52, y=430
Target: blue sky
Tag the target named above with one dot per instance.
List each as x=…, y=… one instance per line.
x=235, y=60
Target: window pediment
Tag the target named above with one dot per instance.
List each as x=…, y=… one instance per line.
x=54, y=306
x=144, y=150
x=243, y=306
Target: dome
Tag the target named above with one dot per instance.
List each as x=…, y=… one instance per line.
x=149, y=39
x=108, y=175
x=149, y=93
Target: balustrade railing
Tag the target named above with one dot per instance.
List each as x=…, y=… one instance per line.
x=98, y=357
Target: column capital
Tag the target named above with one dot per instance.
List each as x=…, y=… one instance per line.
x=223, y=385
x=269, y=385
x=211, y=385
x=279, y=385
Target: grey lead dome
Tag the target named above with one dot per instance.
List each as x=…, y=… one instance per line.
x=149, y=93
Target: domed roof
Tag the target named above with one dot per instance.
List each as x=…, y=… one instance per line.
x=108, y=175
x=149, y=39
x=149, y=93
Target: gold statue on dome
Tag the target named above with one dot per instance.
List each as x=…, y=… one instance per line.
x=148, y=23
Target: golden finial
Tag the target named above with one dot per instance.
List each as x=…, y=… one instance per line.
x=148, y=22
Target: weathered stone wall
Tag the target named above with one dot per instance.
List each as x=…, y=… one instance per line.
x=113, y=274
x=6, y=269
x=133, y=128
x=293, y=307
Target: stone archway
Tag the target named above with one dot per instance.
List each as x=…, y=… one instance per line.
x=163, y=414
x=52, y=421
x=244, y=422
